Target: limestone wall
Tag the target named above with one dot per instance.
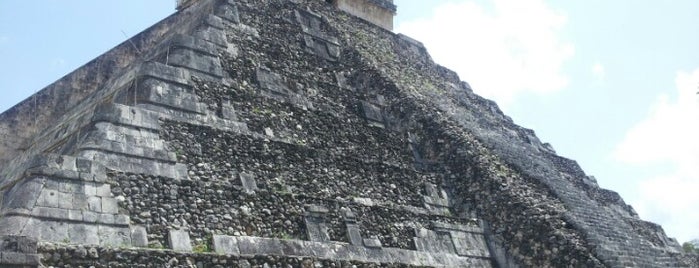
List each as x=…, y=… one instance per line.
x=264, y=133
x=23, y=124
x=379, y=12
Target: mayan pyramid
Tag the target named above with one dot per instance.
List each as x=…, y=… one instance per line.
x=293, y=133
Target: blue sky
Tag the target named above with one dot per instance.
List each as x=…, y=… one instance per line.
x=610, y=84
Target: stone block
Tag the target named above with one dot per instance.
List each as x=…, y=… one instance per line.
x=377, y=254
x=80, y=201
x=139, y=236
x=54, y=213
x=348, y=215
x=75, y=215
x=122, y=220
x=431, y=241
x=196, y=61
x=96, y=176
x=51, y=184
x=89, y=216
x=84, y=234
x=372, y=242
x=53, y=231
x=94, y=203
x=372, y=112
x=250, y=246
x=316, y=229
x=316, y=209
x=357, y=252
x=470, y=244
x=109, y=205
x=48, y=198
x=322, y=46
x=295, y=248
x=354, y=235
x=83, y=165
x=103, y=189
x=20, y=244
x=272, y=81
x=90, y=189
x=402, y=256
x=164, y=72
x=69, y=187
x=248, y=182
x=12, y=258
x=178, y=240
x=378, y=12
x=65, y=200
x=227, y=110
x=214, y=21
x=84, y=176
x=169, y=95
x=224, y=244
x=33, y=259
x=105, y=218
x=442, y=226
x=431, y=190
x=114, y=236
x=213, y=35
x=12, y=225
x=23, y=195
x=337, y=251
x=228, y=12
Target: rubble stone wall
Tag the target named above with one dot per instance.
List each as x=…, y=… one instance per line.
x=262, y=133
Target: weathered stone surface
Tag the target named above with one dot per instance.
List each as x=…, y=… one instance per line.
x=248, y=182
x=225, y=244
x=401, y=162
x=85, y=234
x=139, y=236
x=178, y=240
x=379, y=12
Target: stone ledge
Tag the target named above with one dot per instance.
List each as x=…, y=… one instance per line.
x=70, y=215
x=126, y=115
x=195, y=44
x=65, y=167
x=169, y=95
x=18, y=251
x=214, y=21
x=164, y=72
x=212, y=35
x=137, y=164
x=13, y=259
x=252, y=246
x=229, y=12
x=195, y=61
x=457, y=227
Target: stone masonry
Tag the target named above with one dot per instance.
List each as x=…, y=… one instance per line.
x=293, y=133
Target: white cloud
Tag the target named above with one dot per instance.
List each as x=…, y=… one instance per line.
x=504, y=49
x=669, y=138
x=598, y=71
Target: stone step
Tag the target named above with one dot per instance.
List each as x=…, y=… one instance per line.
x=169, y=95
x=136, y=164
x=131, y=138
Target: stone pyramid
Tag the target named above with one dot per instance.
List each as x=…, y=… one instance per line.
x=293, y=133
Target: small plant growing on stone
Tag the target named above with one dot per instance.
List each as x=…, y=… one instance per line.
x=201, y=248
x=155, y=246
x=285, y=236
